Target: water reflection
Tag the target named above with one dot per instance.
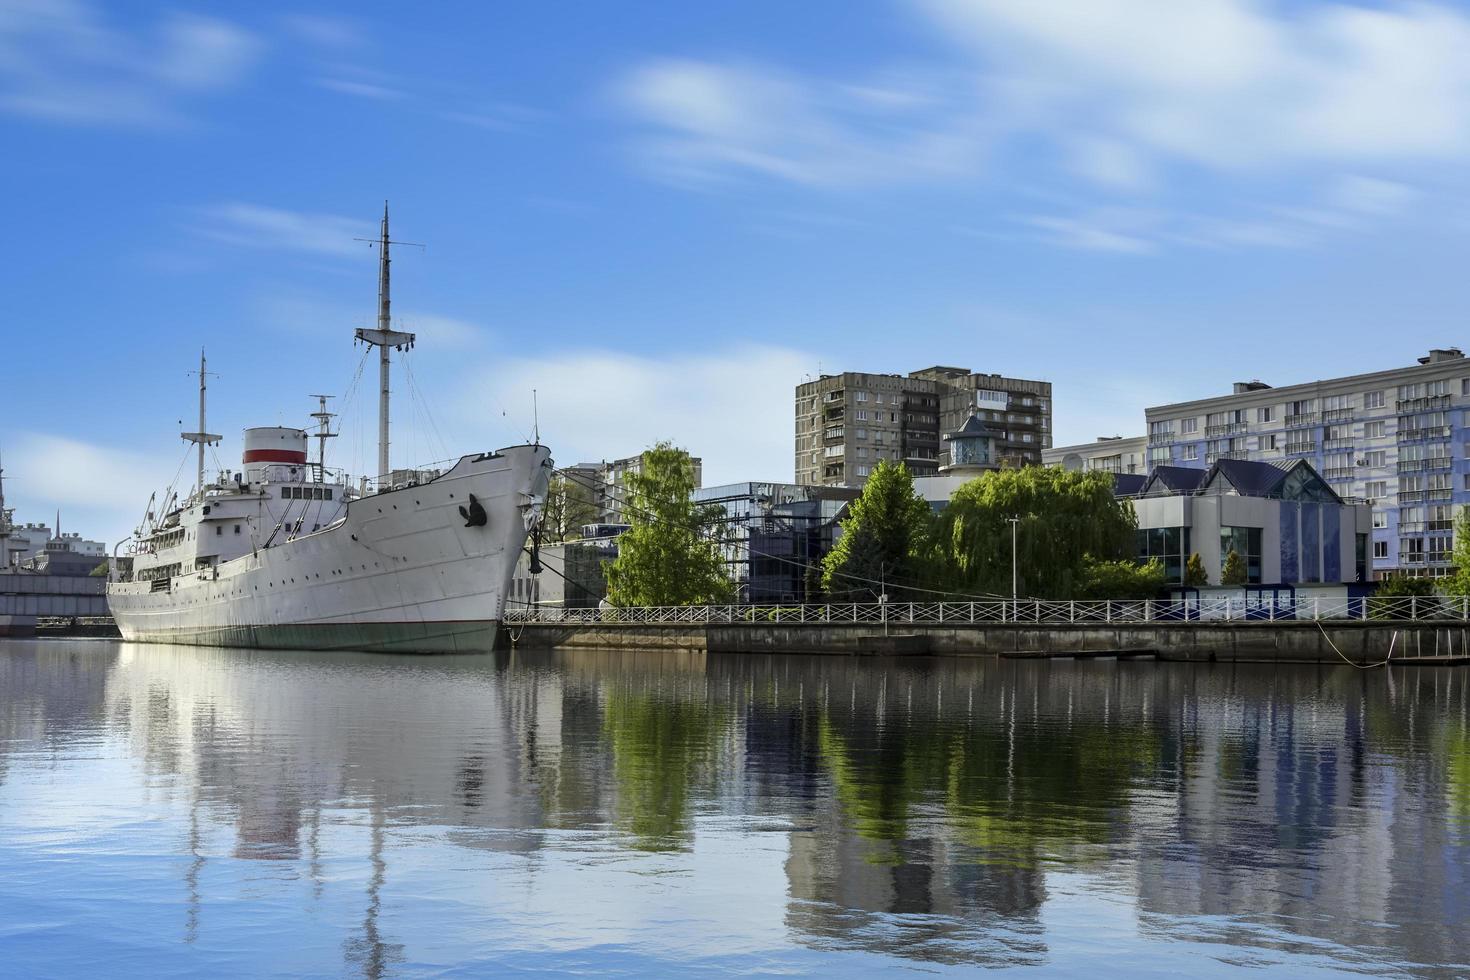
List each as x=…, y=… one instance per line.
x=393, y=814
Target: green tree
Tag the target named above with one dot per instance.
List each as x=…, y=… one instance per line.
x=1458, y=584
x=1233, y=571
x=1125, y=579
x=1386, y=600
x=884, y=538
x=1066, y=518
x=100, y=571
x=569, y=505
x=669, y=555
x=1194, y=572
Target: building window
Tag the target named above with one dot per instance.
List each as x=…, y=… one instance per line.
x=1374, y=430
x=1380, y=549
x=1170, y=545
x=1186, y=426
x=1158, y=454
x=237, y=529
x=1375, y=489
x=861, y=396
x=1380, y=518
x=1189, y=452
x=1372, y=399
x=1376, y=458
x=1245, y=542
x=218, y=530
x=1264, y=414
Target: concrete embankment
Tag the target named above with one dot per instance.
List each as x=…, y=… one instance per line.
x=1260, y=642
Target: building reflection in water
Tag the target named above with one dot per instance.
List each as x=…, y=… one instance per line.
x=927, y=806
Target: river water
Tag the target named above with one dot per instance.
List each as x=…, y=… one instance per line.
x=170, y=811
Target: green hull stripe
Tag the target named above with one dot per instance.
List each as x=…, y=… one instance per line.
x=465, y=637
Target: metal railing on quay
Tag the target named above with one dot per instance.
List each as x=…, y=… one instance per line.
x=1041, y=612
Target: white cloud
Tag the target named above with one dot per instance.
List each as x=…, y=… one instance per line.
x=61, y=61
x=100, y=491
x=732, y=409
x=324, y=31
x=1238, y=83
x=1090, y=235
x=258, y=226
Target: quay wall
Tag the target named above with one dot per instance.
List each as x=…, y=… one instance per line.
x=1259, y=642
x=24, y=598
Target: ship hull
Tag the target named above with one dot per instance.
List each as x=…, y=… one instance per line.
x=403, y=572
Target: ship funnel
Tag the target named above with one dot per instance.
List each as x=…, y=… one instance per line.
x=275, y=444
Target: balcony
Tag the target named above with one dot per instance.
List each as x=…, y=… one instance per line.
x=1411, y=496
x=1337, y=445
x=1421, y=465
x=1161, y=438
x=1226, y=454
x=833, y=434
x=1299, y=448
x=834, y=413
x=1429, y=432
x=1444, y=494
x=1433, y=403
x=1230, y=429
x=1338, y=415
x=1338, y=472
x=1301, y=419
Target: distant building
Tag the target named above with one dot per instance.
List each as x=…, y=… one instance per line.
x=1113, y=454
x=773, y=533
x=1284, y=521
x=572, y=574
x=847, y=423
x=1396, y=438
x=612, y=488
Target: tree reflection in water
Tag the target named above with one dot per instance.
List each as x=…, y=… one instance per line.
x=930, y=809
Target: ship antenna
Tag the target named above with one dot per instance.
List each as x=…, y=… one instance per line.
x=535, y=420
x=323, y=433
x=203, y=437
x=384, y=338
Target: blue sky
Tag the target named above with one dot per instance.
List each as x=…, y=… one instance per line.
x=663, y=216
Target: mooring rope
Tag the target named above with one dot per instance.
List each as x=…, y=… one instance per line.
x=1392, y=640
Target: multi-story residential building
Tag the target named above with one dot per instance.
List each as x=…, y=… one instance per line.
x=1114, y=454
x=846, y=423
x=1396, y=438
x=611, y=483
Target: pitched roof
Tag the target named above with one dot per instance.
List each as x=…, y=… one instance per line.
x=1175, y=479
x=1128, y=484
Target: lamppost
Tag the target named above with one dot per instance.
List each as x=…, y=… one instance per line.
x=1015, y=595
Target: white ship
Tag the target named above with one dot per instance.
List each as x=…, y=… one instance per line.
x=286, y=553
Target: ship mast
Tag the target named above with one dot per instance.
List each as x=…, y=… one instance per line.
x=384, y=338
x=323, y=433
x=201, y=438
x=4, y=524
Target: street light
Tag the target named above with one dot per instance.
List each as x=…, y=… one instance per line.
x=1015, y=604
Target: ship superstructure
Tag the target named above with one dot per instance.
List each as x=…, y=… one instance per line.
x=285, y=553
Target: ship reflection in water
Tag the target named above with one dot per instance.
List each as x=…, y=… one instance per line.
x=180, y=811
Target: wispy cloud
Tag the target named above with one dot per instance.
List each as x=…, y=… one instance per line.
x=362, y=90
x=259, y=226
x=602, y=405
x=709, y=120
x=325, y=31
x=63, y=62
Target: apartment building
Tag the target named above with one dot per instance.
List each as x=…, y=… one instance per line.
x=846, y=423
x=608, y=482
x=1114, y=454
x=1396, y=439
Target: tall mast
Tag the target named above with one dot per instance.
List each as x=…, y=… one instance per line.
x=201, y=438
x=4, y=524
x=383, y=338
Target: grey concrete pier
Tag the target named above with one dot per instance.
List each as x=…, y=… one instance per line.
x=1361, y=642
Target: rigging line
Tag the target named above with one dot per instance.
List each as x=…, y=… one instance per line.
x=417, y=391
x=882, y=583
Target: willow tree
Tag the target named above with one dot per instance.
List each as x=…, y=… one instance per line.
x=569, y=505
x=884, y=539
x=670, y=555
x=1068, y=523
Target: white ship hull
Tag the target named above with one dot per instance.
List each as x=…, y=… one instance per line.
x=401, y=572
